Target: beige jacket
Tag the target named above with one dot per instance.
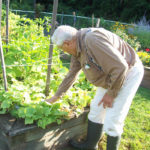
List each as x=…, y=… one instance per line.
x=104, y=58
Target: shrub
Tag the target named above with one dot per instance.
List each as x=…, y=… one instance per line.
x=121, y=30
x=142, y=31
x=145, y=58
x=143, y=37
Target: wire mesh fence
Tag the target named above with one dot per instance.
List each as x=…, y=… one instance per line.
x=64, y=19
x=72, y=20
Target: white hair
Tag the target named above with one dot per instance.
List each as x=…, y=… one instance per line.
x=63, y=33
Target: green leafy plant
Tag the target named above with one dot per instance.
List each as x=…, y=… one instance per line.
x=26, y=66
x=142, y=32
x=121, y=30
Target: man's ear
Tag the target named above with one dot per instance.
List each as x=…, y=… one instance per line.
x=67, y=42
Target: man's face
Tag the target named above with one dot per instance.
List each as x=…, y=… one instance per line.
x=68, y=46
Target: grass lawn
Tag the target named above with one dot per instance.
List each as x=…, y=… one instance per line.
x=136, y=134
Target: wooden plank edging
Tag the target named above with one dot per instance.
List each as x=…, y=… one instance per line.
x=30, y=137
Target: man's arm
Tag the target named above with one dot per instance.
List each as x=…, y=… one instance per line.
x=70, y=77
x=68, y=80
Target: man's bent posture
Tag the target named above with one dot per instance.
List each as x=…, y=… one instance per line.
x=108, y=63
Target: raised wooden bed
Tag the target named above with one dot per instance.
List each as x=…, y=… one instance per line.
x=14, y=135
x=146, y=79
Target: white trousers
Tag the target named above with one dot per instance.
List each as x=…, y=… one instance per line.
x=113, y=118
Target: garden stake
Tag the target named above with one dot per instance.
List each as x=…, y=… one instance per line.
x=98, y=23
x=0, y=13
x=51, y=47
x=3, y=65
x=7, y=23
x=92, y=20
x=1, y=52
x=74, y=19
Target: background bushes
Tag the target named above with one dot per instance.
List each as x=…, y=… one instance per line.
x=122, y=10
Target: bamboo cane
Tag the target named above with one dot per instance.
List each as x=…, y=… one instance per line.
x=92, y=20
x=55, y=6
x=3, y=65
x=1, y=52
x=98, y=23
x=7, y=23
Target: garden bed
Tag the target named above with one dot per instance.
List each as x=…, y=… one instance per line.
x=18, y=136
x=146, y=79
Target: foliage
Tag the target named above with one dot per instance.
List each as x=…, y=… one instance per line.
x=106, y=24
x=143, y=37
x=144, y=23
x=121, y=30
x=109, y=9
x=25, y=99
x=26, y=66
x=145, y=58
x=20, y=4
x=142, y=31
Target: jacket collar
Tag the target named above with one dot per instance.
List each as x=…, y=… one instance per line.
x=80, y=40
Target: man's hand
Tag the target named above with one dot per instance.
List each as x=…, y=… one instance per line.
x=52, y=99
x=107, y=101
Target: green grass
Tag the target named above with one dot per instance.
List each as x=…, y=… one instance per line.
x=143, y=37
x=136, y=134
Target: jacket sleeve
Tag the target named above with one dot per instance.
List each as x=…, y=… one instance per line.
x=75, y=67
x=110, y=59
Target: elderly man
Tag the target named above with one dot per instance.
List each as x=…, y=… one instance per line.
x=113, y=67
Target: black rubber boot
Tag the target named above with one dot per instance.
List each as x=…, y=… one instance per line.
x=94, y=133
x=113, y=142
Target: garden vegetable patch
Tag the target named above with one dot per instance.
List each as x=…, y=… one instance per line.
x=26, y=68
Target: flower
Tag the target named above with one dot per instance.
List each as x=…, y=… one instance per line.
x=145, y=58
x=147, y=50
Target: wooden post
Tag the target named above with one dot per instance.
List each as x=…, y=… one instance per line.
x=78, y=22
x=55, y=6
x=98, y=23
x=7, y=23
x=34, y=5
x=1, y=52
x=74, y=18
x=3, y=65
x=62, y=18
x=0, y=14
x=92, y=20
